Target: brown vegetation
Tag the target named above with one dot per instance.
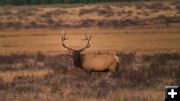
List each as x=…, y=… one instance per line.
x=97, y=15
x=135, y=72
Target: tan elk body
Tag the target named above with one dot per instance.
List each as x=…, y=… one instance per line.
x=92, y=62
x=99, y=62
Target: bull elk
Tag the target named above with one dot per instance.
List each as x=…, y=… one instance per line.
x=91, y=62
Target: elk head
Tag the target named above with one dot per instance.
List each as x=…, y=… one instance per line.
x=76, y=53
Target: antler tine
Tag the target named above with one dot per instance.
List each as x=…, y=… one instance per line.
x=64, y=35
x=87, y=38
x=90, y=37
x=63, y=38
x=88, y=44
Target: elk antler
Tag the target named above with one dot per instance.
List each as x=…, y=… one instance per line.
x=88, y=44
x=63, y=38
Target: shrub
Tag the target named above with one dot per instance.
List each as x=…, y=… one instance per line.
x=157, y=5
x=2, y=85
x=25, y=88
x=87, y=11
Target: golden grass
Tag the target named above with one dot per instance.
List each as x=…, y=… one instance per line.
x=118, y=95
x=127, y=39
x=136, y=95
x=9, y=76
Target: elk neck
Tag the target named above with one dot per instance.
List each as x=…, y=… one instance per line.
x=77, y=58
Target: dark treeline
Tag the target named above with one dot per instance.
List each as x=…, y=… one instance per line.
x=32, y=2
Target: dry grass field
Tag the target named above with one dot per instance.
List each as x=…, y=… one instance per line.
x=115, y=15
x=48, y=41
x=35, y=67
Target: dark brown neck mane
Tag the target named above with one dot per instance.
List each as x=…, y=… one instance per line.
x=77, y=58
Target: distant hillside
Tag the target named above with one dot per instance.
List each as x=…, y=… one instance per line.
x=37, y=2
x=115, y=15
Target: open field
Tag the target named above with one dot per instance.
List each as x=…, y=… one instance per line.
x=35, y=67
x=150, y=61
x=151, y=39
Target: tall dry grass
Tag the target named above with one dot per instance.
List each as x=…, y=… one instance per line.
x=148, y=73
